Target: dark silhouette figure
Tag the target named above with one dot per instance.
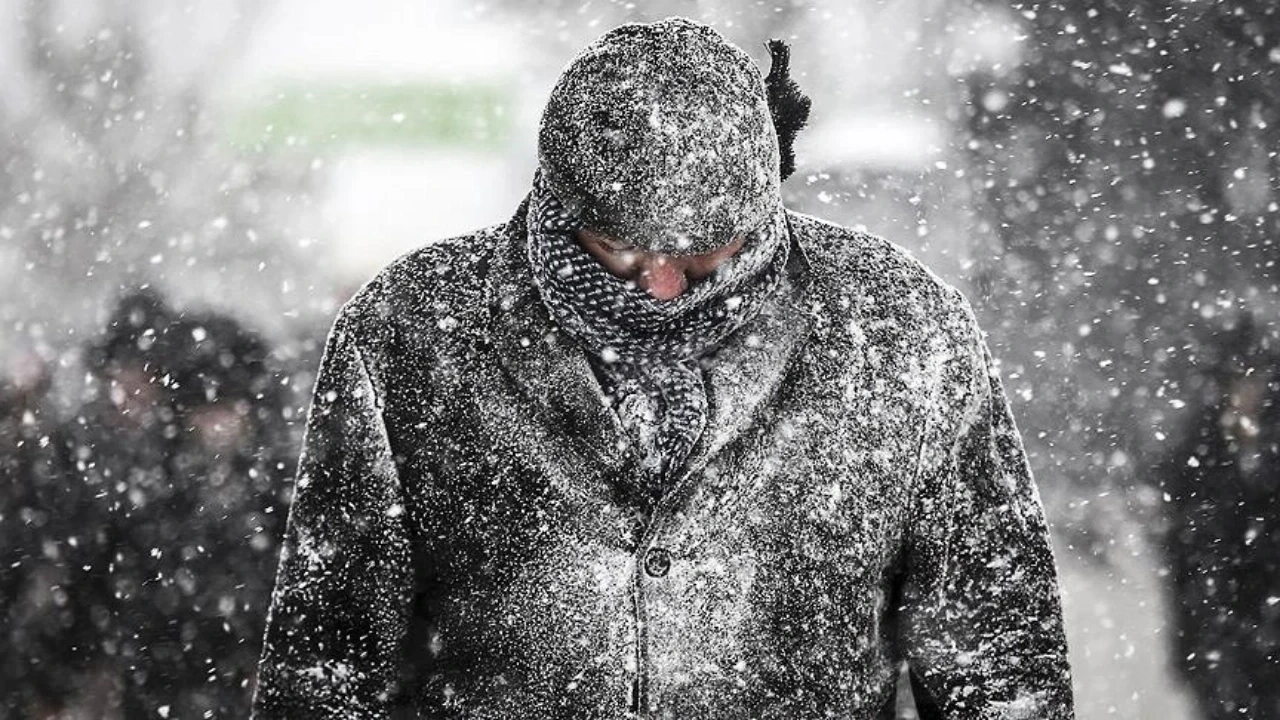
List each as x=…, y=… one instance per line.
x=41, y=632
x=1223, y=537
x=146, y=543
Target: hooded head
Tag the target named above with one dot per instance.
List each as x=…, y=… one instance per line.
x=663, y=136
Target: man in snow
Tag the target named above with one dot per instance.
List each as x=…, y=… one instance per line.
x=660, y=447
x=39, y=624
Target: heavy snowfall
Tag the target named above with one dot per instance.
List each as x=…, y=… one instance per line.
x=191, y=193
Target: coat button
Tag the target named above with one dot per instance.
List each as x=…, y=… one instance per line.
x=657, y=562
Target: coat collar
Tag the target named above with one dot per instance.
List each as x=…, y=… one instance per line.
x=551, y=370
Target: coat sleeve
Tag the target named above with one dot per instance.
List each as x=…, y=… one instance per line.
x=338, y=612
x=982, y=626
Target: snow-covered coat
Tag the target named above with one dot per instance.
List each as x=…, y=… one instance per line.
x=463, y=544
x=468, y=540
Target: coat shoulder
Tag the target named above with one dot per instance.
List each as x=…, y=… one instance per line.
x=439, y=285
x=862, y=274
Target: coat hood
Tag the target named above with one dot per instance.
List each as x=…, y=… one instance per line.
x=663, y=135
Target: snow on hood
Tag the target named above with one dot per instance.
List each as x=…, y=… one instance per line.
x=660, y=134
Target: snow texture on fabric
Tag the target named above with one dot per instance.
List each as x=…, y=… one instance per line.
x=648, y=351
x=466, y=542
x=661, y=134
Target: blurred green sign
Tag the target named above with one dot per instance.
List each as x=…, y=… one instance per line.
x=423, y=114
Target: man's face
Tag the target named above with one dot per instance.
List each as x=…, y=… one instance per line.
x=1245, y=397
x=222, y=426
x=663, y=276
x=133, y=393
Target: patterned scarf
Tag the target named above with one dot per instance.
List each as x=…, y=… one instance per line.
x=645, y=351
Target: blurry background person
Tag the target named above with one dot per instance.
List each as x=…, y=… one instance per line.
x=220, y=526
x=36, y=612
x=139, y=567
x=117, y=443
x=193, y=553
x=1222, y=542
x=63, y=634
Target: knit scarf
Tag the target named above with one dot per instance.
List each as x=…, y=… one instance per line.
x=646, y=352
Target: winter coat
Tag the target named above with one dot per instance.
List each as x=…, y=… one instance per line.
x=464, y=541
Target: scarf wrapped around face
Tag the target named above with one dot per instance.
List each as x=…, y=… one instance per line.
x=646, y=351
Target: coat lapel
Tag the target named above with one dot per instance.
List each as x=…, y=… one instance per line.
x=747, y=373
x=551, y=370
x=546, y=365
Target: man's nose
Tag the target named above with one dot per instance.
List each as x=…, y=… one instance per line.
x=662, y=277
